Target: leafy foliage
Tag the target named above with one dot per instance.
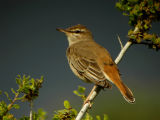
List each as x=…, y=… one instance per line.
x=65, y=114
x=80, y=92
x=141, y=14
x=29, y=87
x=40, y=115
x=69, y=113
x=29, y=90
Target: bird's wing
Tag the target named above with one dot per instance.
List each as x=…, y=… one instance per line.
x=110, y=69
x=87, y=67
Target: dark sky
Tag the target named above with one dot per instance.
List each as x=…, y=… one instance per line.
x=30, y=44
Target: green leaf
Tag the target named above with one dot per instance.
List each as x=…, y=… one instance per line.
x=3, y=108
x=74, y=111
x=130, y=32
x=125, y=14
x=18, y=80
x=106, y=117
x=13, y=91
x=157, y=6
x=16, y=106
x=21, y=98
x=98, y=117
x=25, y=118
x=55, y=119
x=150, y=2
x=42, y=78
x=76, y=93
x=81, y=89
x=88, y=117
x=7, y=95
x=9, y=117
x=118, y=5
x=0, y=92
x=158, y=40
x=133, y=1
x=41, y=112
x=146, y=26
x=129, y=8
x=67, y=104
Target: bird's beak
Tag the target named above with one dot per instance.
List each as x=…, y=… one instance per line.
x=61, y=30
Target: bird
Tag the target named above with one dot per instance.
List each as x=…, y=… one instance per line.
x=91, y=62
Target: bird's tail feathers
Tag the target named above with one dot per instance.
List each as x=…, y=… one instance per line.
x=126, y=92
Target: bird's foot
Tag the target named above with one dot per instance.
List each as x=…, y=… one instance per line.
x=89, y=102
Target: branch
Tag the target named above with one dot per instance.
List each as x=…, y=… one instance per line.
x=11, y=105
x=31, y=110
x=119, y=57
x=120, y=42
x=97, y=88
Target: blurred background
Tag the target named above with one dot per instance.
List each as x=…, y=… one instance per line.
x=30, y=44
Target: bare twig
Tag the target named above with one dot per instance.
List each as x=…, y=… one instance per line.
x=128, y=44
x=120, y=42
x=31, y=110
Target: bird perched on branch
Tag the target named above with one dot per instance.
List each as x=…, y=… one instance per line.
x=91, y=62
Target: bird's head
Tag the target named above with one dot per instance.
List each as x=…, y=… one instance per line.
x=77, y=33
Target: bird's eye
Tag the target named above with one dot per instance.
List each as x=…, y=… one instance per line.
x=77, y=31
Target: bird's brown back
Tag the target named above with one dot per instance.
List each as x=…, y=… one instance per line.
x=88, y=54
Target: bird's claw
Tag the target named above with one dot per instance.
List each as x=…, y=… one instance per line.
x=87, y=101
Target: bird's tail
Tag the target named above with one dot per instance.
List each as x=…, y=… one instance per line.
x=126, y=92
x=111, y=73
